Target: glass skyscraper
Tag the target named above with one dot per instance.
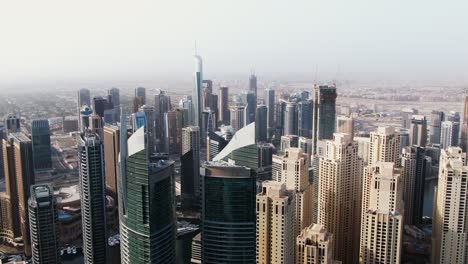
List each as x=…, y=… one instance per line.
x=228, y=214
x=147, y=218
x=92, y=195
x=324, y=113
x=40, y=134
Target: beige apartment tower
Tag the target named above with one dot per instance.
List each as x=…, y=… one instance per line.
x=275, y=224
x=382, y=223
x=292, y=169
x=449, y=227
x=339, y=201
x=384, y=146
x=315, y=246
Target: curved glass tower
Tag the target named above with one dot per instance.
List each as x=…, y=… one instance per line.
x=228, y=214
x=147, y=218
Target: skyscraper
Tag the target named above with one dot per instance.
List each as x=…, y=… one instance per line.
x=384, y=145
x=449, y=227
x=261, y=120
x=437, y=117
x=339, y=201
x=464, y=127
x=253, y=85
x=150, y=128
x=418, y=131
x=228, y=204
x=197, y=90
x=13, y=123
x=113, y=98
x=224, y=114
x=141, y=92
x=216, y=143
x=182, y=120
x=416, y=166
x=315, y=246
x=190, y=166
x=248, y=99
x=304, y=122
x=162, y=105
x=19, y=176
x=289, y=141
x=449, y=134
x=275, y=224
x=111, y=156
x=237, y=117
x=290, y=119
x=85, y=114
x=170, y=133
x=292, y=169
x=100, y=104
x=40, y=134
x=382, y=223
x=44, y=225
x=92, y=195
x=147, y=219
x=280, y=109
x=269, y=101
x=324, y=113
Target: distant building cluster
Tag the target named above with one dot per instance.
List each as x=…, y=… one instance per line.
x=241, y=178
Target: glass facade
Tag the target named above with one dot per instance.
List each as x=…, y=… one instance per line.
x=228, y=215
x=148, y=225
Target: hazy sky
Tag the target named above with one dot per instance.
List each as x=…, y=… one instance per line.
x=53, y=40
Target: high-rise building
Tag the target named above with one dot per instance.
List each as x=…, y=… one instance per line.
x=141, y=92
x=100, y=104
x=40, y=135
x=253, y=85
x=384, y=145
x=292, y=169
x=464, y=126
x=306, y=145
x=13, y=124
x=44, y=225
x=416, y=166
x=275, y=224
x=261, y=121
x=6, y=230
x=280, y=110
x=224, y=113
x=170, y=133
x=92, y=195
x=418, y=131
x=345, y=124
x=324, y=113
x=437, y=117
x=162, y=105
x=147, y=218
x=304, y=122
x=196, y=249
x=83, y=98
x=269, y=101
x=382, y=223
x=249, y=100
x=197, y=91
x=190, y=166
x=449, y=235
x=19, y=176
x=449, y=134
x=290, y=119
x=228, y=204
x=314, y=245
x=182, y=120
x=150, y=128
x=339, y=199
x=111, y=156
x=113, y=97
x=237, y=117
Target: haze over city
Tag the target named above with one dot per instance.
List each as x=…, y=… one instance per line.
x=55, y=43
